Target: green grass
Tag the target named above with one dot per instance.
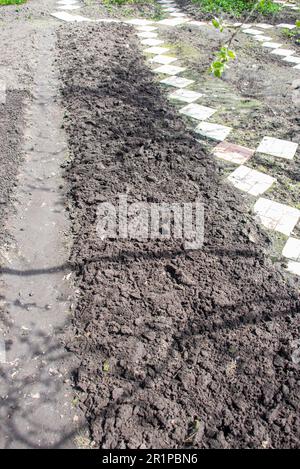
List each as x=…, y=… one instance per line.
x=12, y=2
x=237, y=7
x=126, y=2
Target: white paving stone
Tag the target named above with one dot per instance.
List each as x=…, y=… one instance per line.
x=294, y=267
x=152, y=42
x=64, y=16
x=297, y=67
x=292, y=249
x=276, y=216
x=173, y=21
x=107, y=20
x=292, y=59
x=178, y=14
x=272, y=45
x=254, y=32
x=67, y=2
x=282, y=52
x=156, y=50
x=169, y=69
x=214, y=131
x=147, y=34
x=251, y=181
x=264, y=26
x=198, y=23
x=163, y=59
x=146, y=28
x=197, y=111
x=170, y=9
x=139, y=22
x=177, y=82
x=186, y=96
x=262, y=38
x=2, y=92
x=276, y=147
x=286, y=26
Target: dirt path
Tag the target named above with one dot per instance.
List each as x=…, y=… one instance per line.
x=36, y=396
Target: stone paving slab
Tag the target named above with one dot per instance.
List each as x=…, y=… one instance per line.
x=294, y=267
x=291, y=249
x=147, y=34
x=254, y=32
x=2, y=92
x=250, y=180
x=264, y=26
x=163, y=59
x=152, y=42
x=156, y=50
x=282, y=52
x=146, y=28
x=276, y=147
x=286, y=26
x=177, y=82
x=186, y=96
x=169, y=69
x=139, y=22
x=214, y=131
x=67, y=2
x=297, y=67
x=196, y=111
x=262, y=38
x=276, y=216
x=272, y=45
x=64, y=16
x=198, y=23
x=292, y=59
x=178, y=14
x=233, y=153
x=173, y=21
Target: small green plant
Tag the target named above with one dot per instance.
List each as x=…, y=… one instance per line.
x=236, y=7
x=12, y=2
x=223, y=57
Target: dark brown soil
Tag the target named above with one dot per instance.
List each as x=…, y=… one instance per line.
x=11, y=120
x=285, y=15
x=169, y=340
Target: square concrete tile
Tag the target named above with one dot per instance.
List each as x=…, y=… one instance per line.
x=292, y=249
x=264, y=26
x=186, y=96
x=152, y=42
x=64, y=16
x=69, y=7
x=253, y=32
x=139, y=22
x=286, y=26
x=169, y=69
x=262, y=38
x=276, y=216
x=177, y=82
x=173, y=21
x=233, y=153
x=297, y=67
x=156, y=50
x=283, y=52
x=251, y=181
x=146, y=28
x=197, y=23
x=147, y=34
x=276, y=147
x=292, y=59
x=272, y=45
x=214, y=131
x=2, y=92
x=197, y=112
x=294, y=267
x=163, y=59
x=177, y=14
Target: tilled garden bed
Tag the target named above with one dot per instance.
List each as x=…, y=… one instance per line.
x=178, y=348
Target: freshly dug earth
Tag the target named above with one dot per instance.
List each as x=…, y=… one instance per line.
x=178, y=348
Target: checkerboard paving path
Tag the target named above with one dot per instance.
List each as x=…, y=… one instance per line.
x=251, y=181
x=276, y=216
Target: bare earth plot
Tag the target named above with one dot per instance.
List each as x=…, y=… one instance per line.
x=167, y=347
